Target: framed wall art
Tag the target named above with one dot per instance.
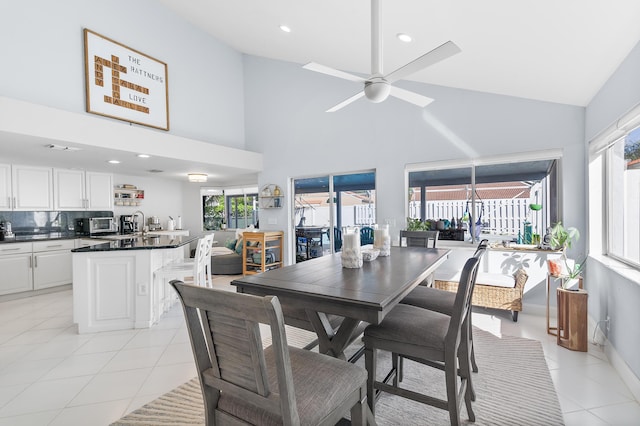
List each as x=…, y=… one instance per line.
x=125, y=84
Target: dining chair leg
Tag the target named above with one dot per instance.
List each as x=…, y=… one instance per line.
x=370, y=364
x=451, y=378
x=464, y=358
x=358, y=416
x=474, y=365
x=396, y=366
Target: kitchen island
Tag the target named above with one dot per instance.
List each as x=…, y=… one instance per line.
x=114, y=283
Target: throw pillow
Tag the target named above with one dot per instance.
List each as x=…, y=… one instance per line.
x=239, y=245
x=230, y=244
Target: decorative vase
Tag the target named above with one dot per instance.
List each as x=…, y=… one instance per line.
x=351, y=254
x=382, y=239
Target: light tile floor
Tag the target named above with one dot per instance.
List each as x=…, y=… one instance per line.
x=50, y=375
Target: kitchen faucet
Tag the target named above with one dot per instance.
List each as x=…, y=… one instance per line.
x=141, y=214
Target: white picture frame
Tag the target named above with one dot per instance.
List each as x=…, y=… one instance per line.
x=124, y=83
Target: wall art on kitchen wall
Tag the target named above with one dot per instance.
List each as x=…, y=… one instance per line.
x=125, y=84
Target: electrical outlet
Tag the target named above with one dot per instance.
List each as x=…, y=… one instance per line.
x=608, y=323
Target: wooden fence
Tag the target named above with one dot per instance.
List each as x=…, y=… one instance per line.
x=498, y=216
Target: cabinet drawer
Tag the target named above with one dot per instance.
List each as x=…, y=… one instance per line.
x=53, y=245
x=15, y=248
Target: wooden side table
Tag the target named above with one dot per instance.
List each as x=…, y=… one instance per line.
x=554, y=330
x=572, y=319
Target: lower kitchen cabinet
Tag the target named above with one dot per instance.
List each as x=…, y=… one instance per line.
x=15, y=264
x=52, y=264
x=35, y=266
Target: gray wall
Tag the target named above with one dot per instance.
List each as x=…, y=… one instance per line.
x=43, y=61
x=610, y=293
x=287, y=123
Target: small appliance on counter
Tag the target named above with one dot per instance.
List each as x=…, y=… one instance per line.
x=154, y=223
x=127, y=224
x=3, y=229
x=87, y=226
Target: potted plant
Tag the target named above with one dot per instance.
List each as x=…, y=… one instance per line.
x=561, y=239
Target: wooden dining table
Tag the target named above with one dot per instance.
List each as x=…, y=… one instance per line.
x=323, y=289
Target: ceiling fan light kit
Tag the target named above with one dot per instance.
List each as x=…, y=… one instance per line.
x=377, y=87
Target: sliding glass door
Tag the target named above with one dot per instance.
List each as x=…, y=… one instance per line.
x=326, y=203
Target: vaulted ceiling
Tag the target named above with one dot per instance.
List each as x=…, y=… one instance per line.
x=549, y=50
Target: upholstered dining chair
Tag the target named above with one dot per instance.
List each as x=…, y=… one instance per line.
x=244, y=383
x=429, y=338
x=443, y=301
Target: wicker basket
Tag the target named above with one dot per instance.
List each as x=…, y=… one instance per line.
x=488, y=296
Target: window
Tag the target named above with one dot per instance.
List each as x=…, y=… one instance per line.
x=229, y=208
x=514, y=200
x=623, y=203
x=242, y=211
x=213, y=210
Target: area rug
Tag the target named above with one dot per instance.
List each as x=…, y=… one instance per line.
x=513, y=387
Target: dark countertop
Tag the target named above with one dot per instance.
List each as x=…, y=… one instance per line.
x=138, y=243
x=26, y=238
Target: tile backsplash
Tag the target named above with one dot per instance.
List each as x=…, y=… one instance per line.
x=25, y=222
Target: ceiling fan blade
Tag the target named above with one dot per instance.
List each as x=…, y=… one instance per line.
x=438, y=54
x=332, y=72
x=346, y=102
x=412, y=97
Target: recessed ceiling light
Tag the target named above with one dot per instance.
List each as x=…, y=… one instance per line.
x=404, y=37
x=285, y=28
x=143, y=156
x=113, y=162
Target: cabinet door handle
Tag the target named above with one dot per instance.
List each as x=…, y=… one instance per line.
x=11, y=249
x=54, y=245
x=30, y=262
x=35, y=261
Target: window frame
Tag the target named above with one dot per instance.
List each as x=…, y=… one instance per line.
x=608, y=205
x=555, y=210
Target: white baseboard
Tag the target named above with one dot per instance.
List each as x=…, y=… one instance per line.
x=628, y=377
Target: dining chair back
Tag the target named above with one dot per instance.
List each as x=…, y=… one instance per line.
x=244, y=383
x=366, y=235
x=419, y=238
x=430, y=338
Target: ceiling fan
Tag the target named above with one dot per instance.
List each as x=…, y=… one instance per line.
x=377, y=87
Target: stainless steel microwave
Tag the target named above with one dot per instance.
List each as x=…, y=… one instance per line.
x=95, y=226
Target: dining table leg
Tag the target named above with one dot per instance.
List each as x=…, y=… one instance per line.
x=330, y=342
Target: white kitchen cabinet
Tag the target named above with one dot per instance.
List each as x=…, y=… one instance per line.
x=32, y=188
x=15, y=264
x=80, y=190
x=6, y=196
x=52, y=263
x=99, y=191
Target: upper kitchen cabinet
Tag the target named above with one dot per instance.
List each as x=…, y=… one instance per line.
x=31, y=188
x=6, y=197
x=80, y=190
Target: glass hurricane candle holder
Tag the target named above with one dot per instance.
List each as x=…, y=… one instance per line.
x=351, y=254
x=382, y=239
